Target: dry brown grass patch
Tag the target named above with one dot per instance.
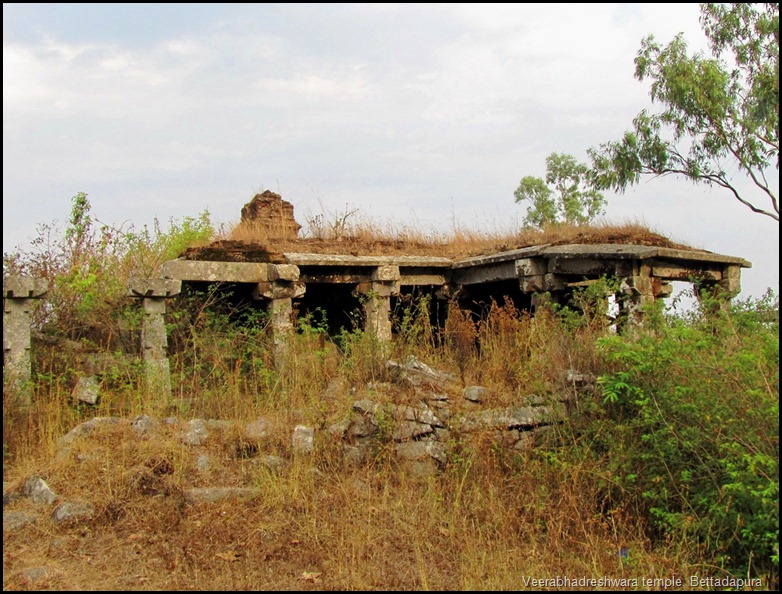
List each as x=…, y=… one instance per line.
x=249, y=242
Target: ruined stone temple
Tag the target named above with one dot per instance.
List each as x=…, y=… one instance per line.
x=286, y=275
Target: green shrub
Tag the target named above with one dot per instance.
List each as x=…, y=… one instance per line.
x=689, y=428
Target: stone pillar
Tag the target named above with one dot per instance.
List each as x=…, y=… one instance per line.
x=720, y=292
x=377, y=306
x=153, y=293
x=18, y=293
x=534, y=278
x=539, y=300
x=279, y=291
x=637, y=291
x=730, y=285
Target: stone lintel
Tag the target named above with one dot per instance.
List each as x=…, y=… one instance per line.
x=610, y=252
x=684, y=257
x=660, y=288
x=672, y=272
x=407, y=278
x=417, y=280
x=496, y=271
x=154, y=287
x=588, y=266
x=228, y=272
x=601, y=251
x=350, y=278
x=528, y=252
x=24, y=287
x=690, y=257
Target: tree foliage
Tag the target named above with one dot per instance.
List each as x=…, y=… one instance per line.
x=566, y=195
x=719, y=113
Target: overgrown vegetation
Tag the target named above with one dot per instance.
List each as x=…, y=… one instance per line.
x=668, y=466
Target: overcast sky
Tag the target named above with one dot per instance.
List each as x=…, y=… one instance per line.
x=417, y=115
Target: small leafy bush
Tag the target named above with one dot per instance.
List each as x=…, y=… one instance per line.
x=689, y=421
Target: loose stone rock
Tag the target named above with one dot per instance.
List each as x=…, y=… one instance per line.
x=405, y=430
x=10, y=493
x=71, y=511
x=17, y=520
x=143, y=424
x=355, y=455
x=202, y=463
x=256, y=429
x=86, y=428
x=87, y=390
x=366, y=406
x=415, y=373
x=273, y=463
x=421, y=450
x=362, y=427
x=339, y=429
x=36, y=489
x=475, y=393
x=215, y=494
x=419, y=414
x=197, y=433
x=303, y=440
x=35, y=574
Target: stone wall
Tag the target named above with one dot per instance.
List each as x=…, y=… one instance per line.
x=417, y=421
x=270, y=214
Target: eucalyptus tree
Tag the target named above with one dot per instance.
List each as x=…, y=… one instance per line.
x=719, y=113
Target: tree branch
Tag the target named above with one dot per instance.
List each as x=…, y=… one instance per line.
x=720, y=181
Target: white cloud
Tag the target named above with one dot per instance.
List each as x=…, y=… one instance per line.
x=314, y=86
x=408, y=111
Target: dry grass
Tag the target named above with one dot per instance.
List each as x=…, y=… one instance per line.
x=364, y=237
x=485, y=523
x=490, y=520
